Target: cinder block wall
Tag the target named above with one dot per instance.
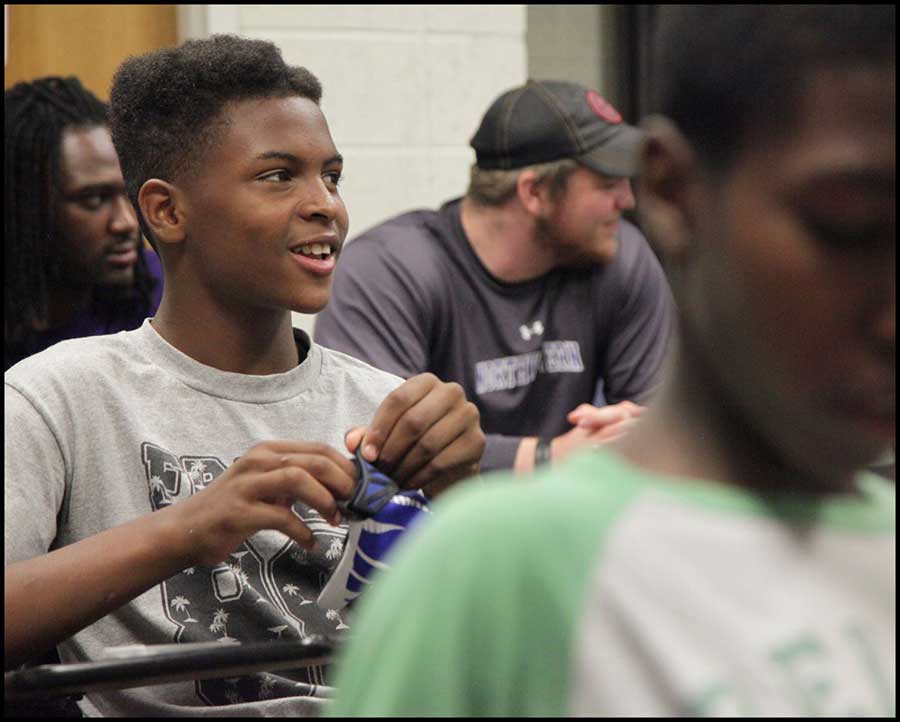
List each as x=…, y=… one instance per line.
x=564, y=43
x=404, y=88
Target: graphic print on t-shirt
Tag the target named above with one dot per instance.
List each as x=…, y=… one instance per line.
x=265, y=590
x=510, y=372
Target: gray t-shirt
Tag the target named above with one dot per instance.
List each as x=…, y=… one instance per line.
x=411, y=295
x=102, y=430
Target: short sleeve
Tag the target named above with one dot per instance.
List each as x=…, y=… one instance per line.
x=34, y=482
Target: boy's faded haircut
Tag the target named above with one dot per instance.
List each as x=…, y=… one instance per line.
x=165, y=106
x=724, y=72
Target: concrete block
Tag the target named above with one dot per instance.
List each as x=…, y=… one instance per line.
x=561, y=29
x=448, y=174
x=408, y=18
x=464, y=75
x=580, y=69
x=383, y=182
x=476, y=19
x=372, y=86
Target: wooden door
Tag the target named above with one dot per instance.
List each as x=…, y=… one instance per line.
x=89, y=41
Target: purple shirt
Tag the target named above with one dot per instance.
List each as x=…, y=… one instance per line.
x=104, y=315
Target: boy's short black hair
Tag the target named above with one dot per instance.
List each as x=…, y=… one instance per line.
x=724, y=71
x=165, y=106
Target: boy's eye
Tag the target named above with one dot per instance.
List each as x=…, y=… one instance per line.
x=276, y=176
x=845, y=237
x=334, y=177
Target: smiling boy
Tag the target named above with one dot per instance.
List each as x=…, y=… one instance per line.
x=178, y=483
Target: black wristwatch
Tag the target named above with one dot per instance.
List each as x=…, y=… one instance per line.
x=543, y=453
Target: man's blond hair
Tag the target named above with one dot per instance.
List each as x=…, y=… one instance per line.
x=496, y=187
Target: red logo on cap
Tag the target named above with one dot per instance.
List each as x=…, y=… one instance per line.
x=602, y=107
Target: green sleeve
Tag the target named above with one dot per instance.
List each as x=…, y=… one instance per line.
x=477, y=614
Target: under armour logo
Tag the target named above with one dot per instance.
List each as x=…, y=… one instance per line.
x=537, y=329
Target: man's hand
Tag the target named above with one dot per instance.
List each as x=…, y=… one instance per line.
x=425, y=435
x=613, y=419
x=257, y=492
x=596, y=425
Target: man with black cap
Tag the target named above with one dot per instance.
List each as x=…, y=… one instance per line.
x=532, y=291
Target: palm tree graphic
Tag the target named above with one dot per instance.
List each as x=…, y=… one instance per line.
x=335, y=549
x=278, y=630
x=266, y=685
x=180, y=604
x=333, y=615
x=238, y=569
x=241, y=574
x=196, y=472
x=294, y=591
x=219, y=625
x=157, y=485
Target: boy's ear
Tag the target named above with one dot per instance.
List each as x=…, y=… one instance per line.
x=162, y=208
x=668, y=184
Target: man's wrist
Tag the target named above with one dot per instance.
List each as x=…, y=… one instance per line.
x=524, y=461
x=533, y=452
x=543, y=452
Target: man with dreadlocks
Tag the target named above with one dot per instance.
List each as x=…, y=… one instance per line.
x=75, y=265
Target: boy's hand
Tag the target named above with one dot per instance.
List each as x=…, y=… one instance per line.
x=424, y=434
x=257, y=492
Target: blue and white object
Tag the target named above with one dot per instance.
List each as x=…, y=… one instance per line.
x=368, y=542
x=376, y=523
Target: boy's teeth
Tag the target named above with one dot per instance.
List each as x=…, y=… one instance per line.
x=315, y=249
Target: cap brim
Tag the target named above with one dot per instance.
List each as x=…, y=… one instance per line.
x=620, y=155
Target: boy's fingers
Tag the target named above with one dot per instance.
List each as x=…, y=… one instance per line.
x=418, y=421
x=438, y=437
x=336, y=475
x=457, y=461
x=353, y=438
x=285, y=521
x=392, y=409
x=295, y=484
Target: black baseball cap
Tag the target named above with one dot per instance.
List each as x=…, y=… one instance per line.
x=548, y=120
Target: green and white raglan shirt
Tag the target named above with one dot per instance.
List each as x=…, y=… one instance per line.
x=601, y=589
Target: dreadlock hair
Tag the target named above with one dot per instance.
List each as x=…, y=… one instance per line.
x=36, y=116
x=166, y=106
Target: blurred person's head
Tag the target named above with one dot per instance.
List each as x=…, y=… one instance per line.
x=768, y=190
x=69, y=225
x=563, y=152
x=230, y=163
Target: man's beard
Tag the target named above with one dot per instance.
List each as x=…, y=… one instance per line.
x=570, y=255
